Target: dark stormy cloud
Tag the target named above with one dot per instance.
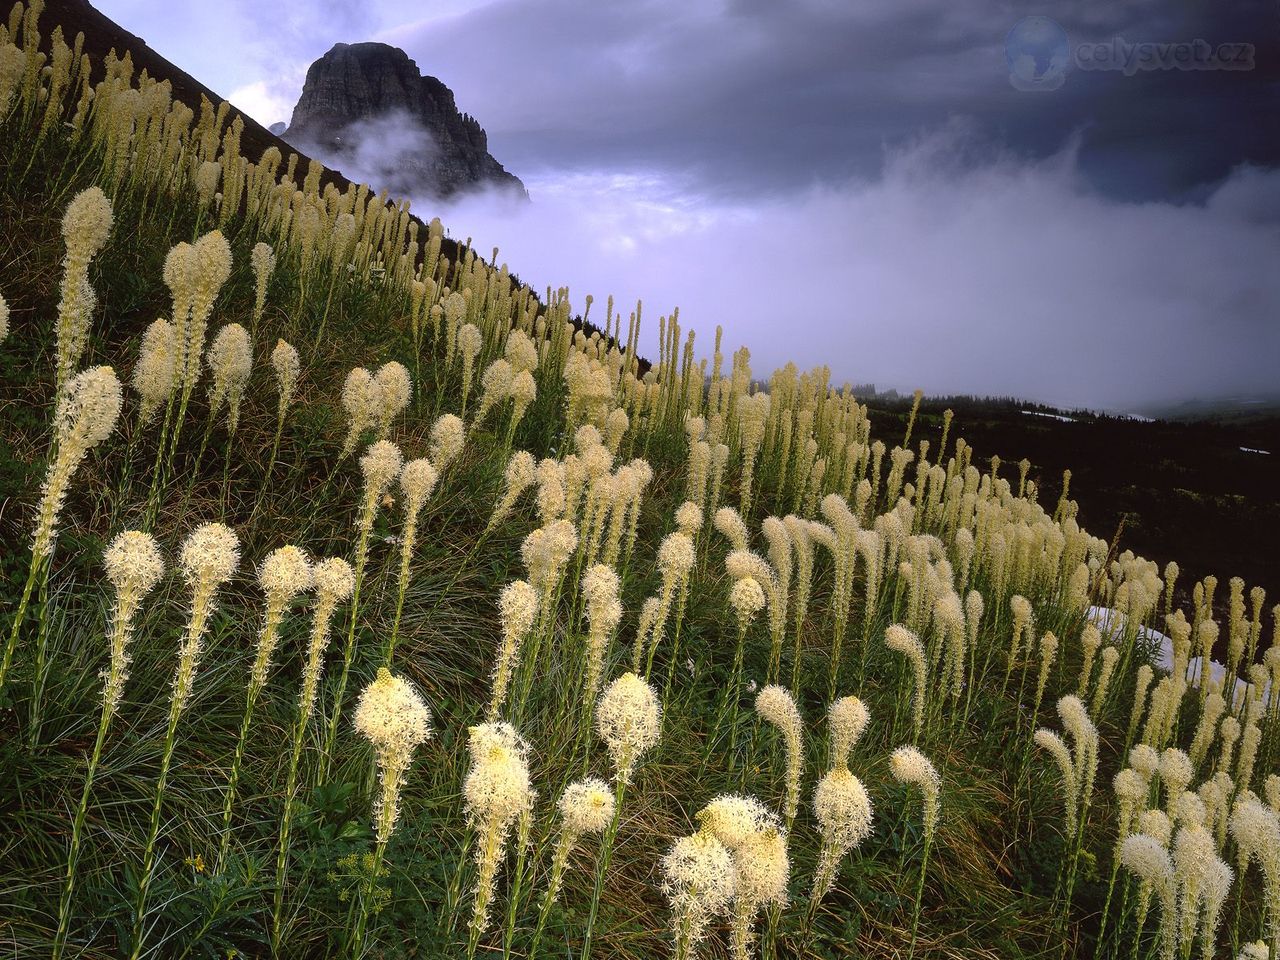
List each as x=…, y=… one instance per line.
x=859, y=184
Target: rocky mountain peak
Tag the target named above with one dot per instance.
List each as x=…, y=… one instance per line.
x=368, y=110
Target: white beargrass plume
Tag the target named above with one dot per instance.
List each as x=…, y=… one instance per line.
x=546, y=552
x=603, y=609
x=334, y=581
x=263, y=261
x=230, y=361
x=85, y=228
x=154, y=375
x=1145, y=856
x=729, y=522
x=840, y=801
x=949, y=616
x=360, y=398
x=1204, y=880
x=676, y=556
x=1131, y=789
x=86, y=414
x=1176, y=773
x=470, y=340
x=1140, y=686
x=1258, y=950
x=1057, y=748
x=209, y=267
x=689, y=518
x=1110, y=657
x=763, y=871
x=776, y=705
x=518, y=612
x=699, y=880
x=393, y=717
x=133, y=567
x=1022, y=623
x=1228, y=733
x=629, y=721
x=448, y=435
x=1256, y=831
x=1048, y=654
x=287, y=366
x=757, y=841
x=1090, y=641
x=495, y=386
x=496, y=793
x=208, y=559
x=520, y=475
x=394, y=390
x=523, y=392
x=901, y=640
x=586, y=807
x=908, y=765
x=1079, y=767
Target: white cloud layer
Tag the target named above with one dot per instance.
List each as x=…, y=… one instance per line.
x=990, y=275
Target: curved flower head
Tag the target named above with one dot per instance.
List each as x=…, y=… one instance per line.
x=86, y=414
x=908, y=765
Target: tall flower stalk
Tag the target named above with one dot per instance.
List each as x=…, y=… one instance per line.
x=496, y=794
x=87, y=412
x=908, y=765
x=699, y=880
x=85, y=228
x=380, y=466
x=843, y=809
x=209, y=557
x=586, y=808
x=334, y=581
x=417, y=483
x=393, y=717
x=284, y=574
x=287, y=366
x=629, y=721
x=134, y=566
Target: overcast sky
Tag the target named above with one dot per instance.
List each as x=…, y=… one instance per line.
x=859, y=184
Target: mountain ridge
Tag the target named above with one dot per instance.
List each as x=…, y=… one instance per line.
x=369, y=104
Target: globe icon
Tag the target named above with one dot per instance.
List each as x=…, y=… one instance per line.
x=1038, y=53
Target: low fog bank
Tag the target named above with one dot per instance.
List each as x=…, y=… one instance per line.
x=959, y=270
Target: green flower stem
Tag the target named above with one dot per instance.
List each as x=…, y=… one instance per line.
x=77, y=828
x=606, y=854
x=149, y=850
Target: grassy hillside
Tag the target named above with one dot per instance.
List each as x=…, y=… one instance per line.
x=728, y=605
